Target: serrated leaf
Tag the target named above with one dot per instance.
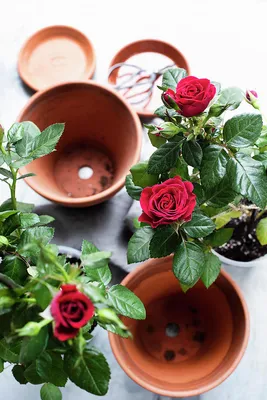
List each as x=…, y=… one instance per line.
x=141, y=177
x=188, y=263
x=126, y=302
x=261, y=231
x=166, y=113
x=45, y=219
x=192, y=153
x=163, y=242
x=220, y=195
x=5, y=214
x=32, y=376
x=5, y=172
x=25, y=145
x=138, y=246
x=33, y=346
x=15, y=269
x=180, y=169
x=242, y=130
x=26, y=175
x=15, y=133
x=103, y=274
x=23, y=207
x=57, y=375
x=40, y=233
x=262, y=141
x=172, y=76
x=133, y=191
x=11, y=224
x=164, y=158
x=9, y=352
x=212, y=269
x=43, y=365
x=42, y=294
x=89, y=371
x=213, y=166
x=98, y=259
x=18, y=373
x=50, y=392
x=199, y=226
x=29, y=219
x=46, y=142
x=116, y=329
x=248, y=177
x=219, y=237
x=229, y=99
x=156, y=141
x=262, y=157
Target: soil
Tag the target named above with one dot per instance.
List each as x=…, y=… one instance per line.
x=244, y=245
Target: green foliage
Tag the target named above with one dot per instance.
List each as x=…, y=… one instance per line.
x=211, y=270
x=199, y=226
x=242, y=130
x=172, y=77
x=192, y=153
x=133, y=191
x=163, y=242
x=165, y=157
x=141, y=177
x=138, y=246
x=50, y=392
x=188, y=263
x=261, y=231
x=213, y=167
x=126, y=302
x=102, y=274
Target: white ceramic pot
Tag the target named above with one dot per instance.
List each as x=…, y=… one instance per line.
x=258, y=262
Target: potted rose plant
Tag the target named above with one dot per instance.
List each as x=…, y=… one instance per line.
x=205, y=186
x=48, y=305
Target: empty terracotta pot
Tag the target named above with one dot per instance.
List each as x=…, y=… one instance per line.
x=190, y=342
x=101, y=141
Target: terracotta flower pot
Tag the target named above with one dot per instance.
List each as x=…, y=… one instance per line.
x=101, y=141
x=189, y=343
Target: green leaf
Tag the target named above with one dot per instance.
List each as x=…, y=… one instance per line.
x=9, y=352
x=28, y=219
x=212, y=269
x=96, y=294
x=1, y=365
x=103, y=274
x=15, y=133
x=141, y=177
x=262, y=141
x=163, y=112
x=89, y=371
x=229, y=99
x=11, y=224
x=163, y=242
x=169, y=130
x=192, y=153
x=219, y=237
x=126, y=302
x=56, y=374
x=224, y=218
x=50, y=392
x=248, y=177
x=172, y=76
x=133, y=191
x=23, y=207
x=18, y=373
x=25, y=145
x=5, y=172
x=199, y=226
x=115, y=329
x=261, y=231
x=165, y=157
x=33, y=346
x=99, y=259
x=220, y=195
x=242, y=130
x=26, y=175
x=180, y=169
x=156, y=140
x=32, y=376
x=262, y=157
x=138, y=246
x=43, y=365
x=188, y=263
x=213, y=167
x=14, y=268
x=42, y=294
x=46, y=142
x=41, y=233
x=5, y=214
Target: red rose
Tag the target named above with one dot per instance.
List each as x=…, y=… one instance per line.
x=170, y=201
x=192, y=95
x=71, y=310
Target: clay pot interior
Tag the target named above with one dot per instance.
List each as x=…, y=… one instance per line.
x=100, y=143
x=188, y=343
x=141, y=53
x=56, y=54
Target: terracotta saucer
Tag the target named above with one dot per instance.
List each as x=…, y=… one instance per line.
x=133, y=49
x=56, y=54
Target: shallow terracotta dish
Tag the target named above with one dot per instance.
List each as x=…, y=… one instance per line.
x=101, y=141
x=56, y=54
x=189, y=343
x=147, y=46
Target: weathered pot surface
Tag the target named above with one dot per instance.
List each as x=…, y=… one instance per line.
x=189, y=343
x=101, y=141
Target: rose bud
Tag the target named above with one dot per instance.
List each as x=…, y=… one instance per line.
x=71, y=310
x=168, y=99
x=167, y=202
x=252, y=98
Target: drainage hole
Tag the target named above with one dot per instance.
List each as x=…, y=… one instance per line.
x=85, y=172
x=172, y=329
x=169, y=355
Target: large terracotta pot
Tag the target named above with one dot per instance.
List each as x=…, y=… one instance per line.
x=102, y=133
x=189, y=343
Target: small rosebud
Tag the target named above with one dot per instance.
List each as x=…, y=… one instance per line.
x=168, y=99
x=3, y=242
x=252, y=98
x=30, y=329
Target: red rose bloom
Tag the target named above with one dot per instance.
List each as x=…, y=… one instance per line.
x=170, y=201
x=71, y=310
x=192, y=95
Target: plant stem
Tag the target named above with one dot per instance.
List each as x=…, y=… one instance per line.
x=13, y=188
x=8, y=282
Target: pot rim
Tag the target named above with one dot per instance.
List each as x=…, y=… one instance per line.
x=114, y=188
x=241, y=264
x=143, y=113
x=90, y=71
x=115, y=339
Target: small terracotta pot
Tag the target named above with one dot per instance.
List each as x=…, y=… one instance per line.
x=147, y=46
x=190, y=342
x=102, y=135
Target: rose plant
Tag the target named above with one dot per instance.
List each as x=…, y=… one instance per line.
x=48, y=307
x=205, y=172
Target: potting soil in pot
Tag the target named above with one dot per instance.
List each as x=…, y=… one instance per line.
x=83, y=171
